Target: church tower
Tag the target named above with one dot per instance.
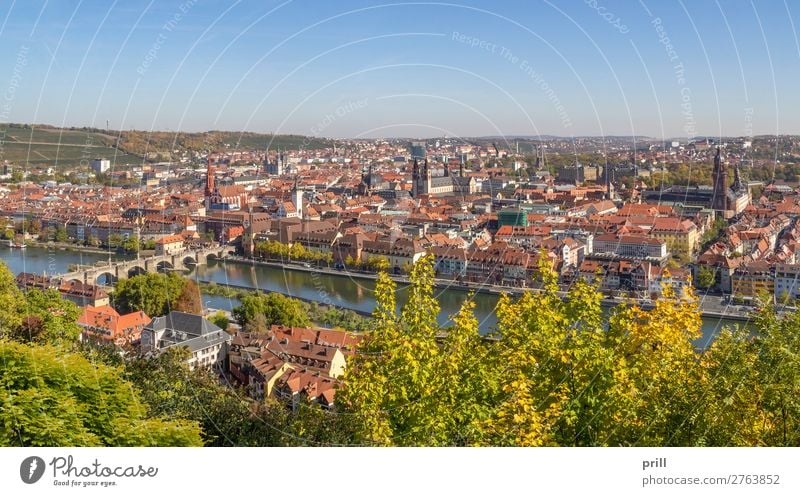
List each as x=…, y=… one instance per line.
x=211, y=189
x=297, y=198
x=720, y=180
x=420, y=179
x=365, y=188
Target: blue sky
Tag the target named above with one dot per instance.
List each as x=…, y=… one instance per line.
x=351, y=68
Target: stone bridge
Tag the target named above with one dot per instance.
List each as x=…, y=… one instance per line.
x=89, y=274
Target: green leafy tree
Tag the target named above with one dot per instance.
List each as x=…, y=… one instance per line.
x=48, y=318
x=275, y=307
x=12, y=302
x=115, y=240
x=61, y=235
x=154, y=294
x=730, y=410
x=705, y=277
x=131, y=245
x=53, y=398
x=367, y=383
x=220, y=319
x=657, y=364
x=778, y=376
x=378, y=264
x=227, y=416
x=402, y=388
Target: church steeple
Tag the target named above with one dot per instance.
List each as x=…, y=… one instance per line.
x=209, y=177
x=211, y=188
x=297, y=197
x=720, y=179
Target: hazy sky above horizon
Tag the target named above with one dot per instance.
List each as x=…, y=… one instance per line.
x=355, y=68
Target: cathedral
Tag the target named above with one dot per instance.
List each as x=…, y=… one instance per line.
x=222, y=197
x=424, y=183
x=727, y=201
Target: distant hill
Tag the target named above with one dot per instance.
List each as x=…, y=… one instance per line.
x=44, y=145
x=52, y=147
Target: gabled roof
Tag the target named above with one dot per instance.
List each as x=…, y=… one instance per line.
x=194, y=325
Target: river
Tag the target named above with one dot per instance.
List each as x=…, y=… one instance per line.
x=342, y=291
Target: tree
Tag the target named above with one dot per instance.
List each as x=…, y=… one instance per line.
x=115, y=240
x=275, y=307
x=48, y=318
x=220, y=319
x=35, y=226
x=378, y=264
x=189, y=300
x=366, y=393
x=131, y=245
x=11, y=302
x=227, y=417
x=778, y=376
x=533, y=393
x=48, y=234
x=297, y=251
x=731, y=413
x=257, y=324
x=61, y=235
x=154, y=294
x=9, y=234
x=705, y=277
x=402, y=388
x=656, y=363
x=53, y=398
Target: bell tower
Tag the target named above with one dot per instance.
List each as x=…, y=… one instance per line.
x=720, y=179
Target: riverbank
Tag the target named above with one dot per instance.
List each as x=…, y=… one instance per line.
x=234, y=291
x=54, y=245
x=710, y=306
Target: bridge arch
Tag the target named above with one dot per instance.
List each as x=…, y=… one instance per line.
x=164, y=266
x=189, y=260
x=136, y=270
x=215, y=256
x=105, y=278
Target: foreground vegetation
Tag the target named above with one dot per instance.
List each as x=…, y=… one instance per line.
x=558, y=373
